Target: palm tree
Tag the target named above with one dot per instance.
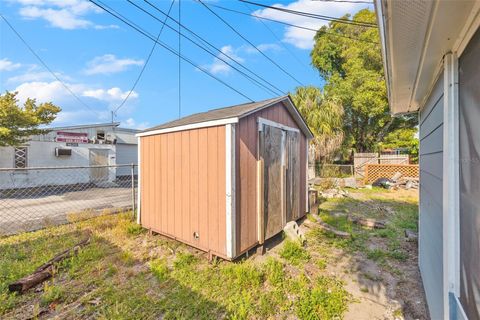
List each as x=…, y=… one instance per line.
x=325, y=119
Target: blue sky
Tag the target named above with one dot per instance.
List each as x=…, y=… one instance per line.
x=98, y=57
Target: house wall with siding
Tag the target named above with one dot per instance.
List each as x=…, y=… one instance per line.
x=247, y=145
x=431, y=197
x=183, y=186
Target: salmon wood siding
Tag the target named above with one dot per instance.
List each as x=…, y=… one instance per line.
x=182, y=176
x=246, y=164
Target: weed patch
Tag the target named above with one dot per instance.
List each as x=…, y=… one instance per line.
x=327, y=299
x=294, y=252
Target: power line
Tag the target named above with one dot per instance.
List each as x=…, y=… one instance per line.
x=146, y=61
x=171, y=50
x=250, y=43
x=213, y=47
x=290, y=24
x=279, y=40
x=315, y=16
x=46, y=66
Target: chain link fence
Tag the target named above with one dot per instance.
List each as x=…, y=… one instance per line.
x=333, y=170
x=35, y=198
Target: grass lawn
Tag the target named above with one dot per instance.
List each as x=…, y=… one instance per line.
x=125, y=273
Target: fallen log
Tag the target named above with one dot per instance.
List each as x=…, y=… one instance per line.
x=329, y=228
x=45, y=271
x=369, y=223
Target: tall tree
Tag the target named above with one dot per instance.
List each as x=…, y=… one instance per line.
x=324, y=117
x=17, y=122
x=348, y=57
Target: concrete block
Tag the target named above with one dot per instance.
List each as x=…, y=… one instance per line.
x=292, y=231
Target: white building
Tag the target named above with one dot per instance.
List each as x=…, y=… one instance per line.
x=431, y=52
x=82, y=145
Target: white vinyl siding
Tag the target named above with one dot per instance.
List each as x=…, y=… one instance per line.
x=430, y=222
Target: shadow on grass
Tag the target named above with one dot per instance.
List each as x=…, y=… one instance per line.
x=102, y=281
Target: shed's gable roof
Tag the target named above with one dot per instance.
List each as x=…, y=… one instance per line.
x=230, y=115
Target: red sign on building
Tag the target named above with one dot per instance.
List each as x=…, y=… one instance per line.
x=76, y=137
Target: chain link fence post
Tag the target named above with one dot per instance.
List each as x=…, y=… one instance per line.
x=133, y=191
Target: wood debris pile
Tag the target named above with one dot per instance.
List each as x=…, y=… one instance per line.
x=397, y=181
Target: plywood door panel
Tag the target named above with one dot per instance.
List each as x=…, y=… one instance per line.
x=293, y=175
x=246, y=170
x=272, y=154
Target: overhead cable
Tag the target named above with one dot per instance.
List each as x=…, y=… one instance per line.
x=168, y=48
x=145, y=64
x=46, y=66
x=250, y=43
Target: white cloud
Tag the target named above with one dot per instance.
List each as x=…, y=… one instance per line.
x=131, y=123
x=300, y=38
x=46, y=91
x=62, y=18
x=109, y=95
x=220, y=67
x=7, y=65
x=108, y=64
x=104, y=27
x=99, y=99
x=264, y=47
x=63, y=14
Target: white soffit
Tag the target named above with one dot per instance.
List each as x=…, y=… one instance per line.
x=416, y=36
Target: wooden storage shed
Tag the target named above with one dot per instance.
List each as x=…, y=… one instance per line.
x=225, y=180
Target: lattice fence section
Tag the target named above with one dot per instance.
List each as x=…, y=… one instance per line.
x=376, y=171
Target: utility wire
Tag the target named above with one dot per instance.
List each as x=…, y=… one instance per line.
x=315, y=16
x=171, y=50
x=279, y=40
x=145, y=64
x=179, y=60
x=249, y=42
x=290, y=24
x=261, y=85
x=46, y=66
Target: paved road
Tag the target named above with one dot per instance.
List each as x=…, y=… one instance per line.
x=28, y=214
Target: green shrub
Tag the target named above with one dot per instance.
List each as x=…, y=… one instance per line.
x=326, y=300
x=294, y=252
x=274, y=271
x=51, y=293
x=159, y=268
x=184, y=260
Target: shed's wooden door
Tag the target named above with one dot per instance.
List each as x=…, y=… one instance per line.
x=273, y=154
x=292, y=175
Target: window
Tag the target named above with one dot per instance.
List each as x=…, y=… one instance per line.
x=20, y=157
x=100, y=135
